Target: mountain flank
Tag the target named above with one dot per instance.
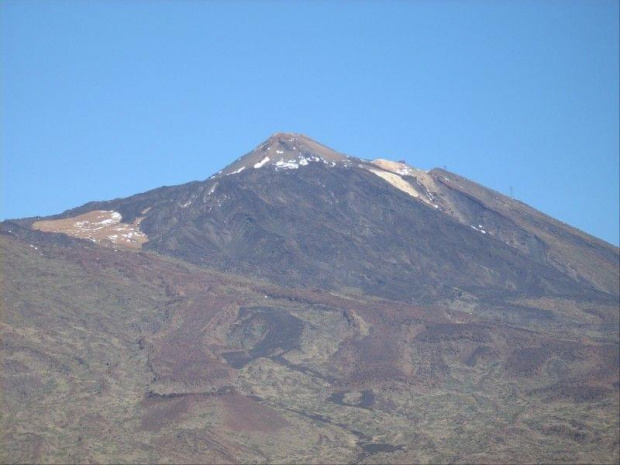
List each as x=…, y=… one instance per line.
x=378, y=225
x=307, y=306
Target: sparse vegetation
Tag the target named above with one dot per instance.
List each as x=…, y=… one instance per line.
x=121, y=357
x=306, y=311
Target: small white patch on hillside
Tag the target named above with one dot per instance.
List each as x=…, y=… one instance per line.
x=261, y=163
x=238, y=171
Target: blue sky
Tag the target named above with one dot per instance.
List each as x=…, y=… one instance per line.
x=103, y=99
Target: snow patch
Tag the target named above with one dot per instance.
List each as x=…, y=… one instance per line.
x=479, y=228
x=238, y=171
x=287, y=165
x=261, y=163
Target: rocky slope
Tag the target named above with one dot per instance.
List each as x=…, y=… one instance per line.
x=303, y=305
x=383, y=227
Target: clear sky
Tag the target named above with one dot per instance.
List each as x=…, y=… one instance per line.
x=103, y=99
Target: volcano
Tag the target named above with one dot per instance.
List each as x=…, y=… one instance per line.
x=307, y=306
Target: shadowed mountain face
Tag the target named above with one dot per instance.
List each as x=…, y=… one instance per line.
x=303, y=305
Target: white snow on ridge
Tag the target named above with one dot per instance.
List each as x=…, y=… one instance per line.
x=238, y=171
x=287, y=165
x=261, y=163
x=293, y=164
x=288, y=160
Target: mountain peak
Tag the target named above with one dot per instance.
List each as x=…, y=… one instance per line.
x=285, y=136
x=285, y=150
x=289, y=139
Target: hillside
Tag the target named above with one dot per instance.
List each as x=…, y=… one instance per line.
x=306, y=306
